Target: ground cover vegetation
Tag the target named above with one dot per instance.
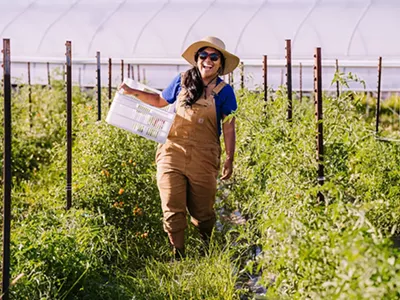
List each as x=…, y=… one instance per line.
x=111, y=245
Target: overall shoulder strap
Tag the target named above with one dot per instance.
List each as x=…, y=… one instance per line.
x=182, y=78
x=181, y=93
x=219, y=87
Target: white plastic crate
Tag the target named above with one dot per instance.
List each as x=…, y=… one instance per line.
x=129, y=113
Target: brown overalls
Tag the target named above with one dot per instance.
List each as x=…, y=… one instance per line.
x=188, y=165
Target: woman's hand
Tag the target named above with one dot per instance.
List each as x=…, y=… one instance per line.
x=124, y=88
x=227, y=169
x=149, y=98
x=228, y=128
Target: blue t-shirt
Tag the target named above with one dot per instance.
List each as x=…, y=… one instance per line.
x=225, y=101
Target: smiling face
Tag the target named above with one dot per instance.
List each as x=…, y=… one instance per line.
x=207, y=66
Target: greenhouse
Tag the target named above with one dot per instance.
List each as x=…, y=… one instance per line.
x=245, y=189
x=152, y=34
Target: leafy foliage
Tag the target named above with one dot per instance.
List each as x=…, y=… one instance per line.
x=111, y=244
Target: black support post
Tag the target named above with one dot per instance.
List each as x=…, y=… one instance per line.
x=98, y=86
x=319, y=118
x=378, y=100
x=7, y=177
x=289, y=79
x=68, y=55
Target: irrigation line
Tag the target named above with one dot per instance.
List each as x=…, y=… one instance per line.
x=393, y=110
x=382, y=139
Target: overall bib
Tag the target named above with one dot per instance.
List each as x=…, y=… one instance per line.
x=188, y=165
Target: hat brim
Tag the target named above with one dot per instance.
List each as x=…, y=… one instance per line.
x=231, y=60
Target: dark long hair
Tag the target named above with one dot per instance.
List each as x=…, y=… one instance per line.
x=193, y=83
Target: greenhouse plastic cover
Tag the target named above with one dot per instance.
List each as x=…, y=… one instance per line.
x=155, y=32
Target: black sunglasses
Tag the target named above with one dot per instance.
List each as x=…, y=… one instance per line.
x=213, y=56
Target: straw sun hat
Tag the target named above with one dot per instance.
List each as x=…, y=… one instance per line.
x=231, y=60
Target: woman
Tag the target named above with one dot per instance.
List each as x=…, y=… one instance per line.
x=188, y=163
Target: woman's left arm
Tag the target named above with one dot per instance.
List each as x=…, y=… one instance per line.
x=228, y=128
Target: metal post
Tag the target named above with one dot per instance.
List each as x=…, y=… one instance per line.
x=80, y=79
x=98, y=87
x=133, y=72
x=7, y=178
x=129, y=70
x=265, y=77
x=144, y=75
x=30, y=95
x=319, y=118
x=289, y=78
x=68, y=55
x=241, y=75
x=337, y=81
x=109, y=81
x=48, y=75
x=122, y=70
x=138, y=73
x=378, y=100
x=301, y=82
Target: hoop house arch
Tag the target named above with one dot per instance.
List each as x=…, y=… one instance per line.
x=153, y=34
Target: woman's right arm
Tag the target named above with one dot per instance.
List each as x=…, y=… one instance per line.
x=149, y=98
